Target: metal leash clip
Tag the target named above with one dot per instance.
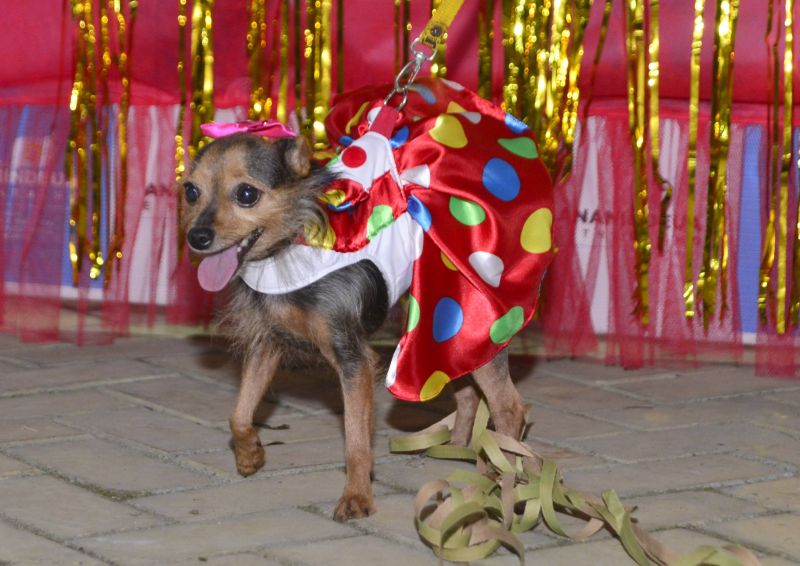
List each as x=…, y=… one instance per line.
x=408, y=74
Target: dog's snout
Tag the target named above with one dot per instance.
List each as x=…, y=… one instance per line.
x=200, y=238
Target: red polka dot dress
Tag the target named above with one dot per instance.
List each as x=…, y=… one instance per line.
x=470, y=177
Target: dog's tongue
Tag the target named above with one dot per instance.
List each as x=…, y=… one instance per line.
x=216, y=270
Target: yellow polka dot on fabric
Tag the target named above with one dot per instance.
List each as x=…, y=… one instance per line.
x=454, y=108
x=447, y=263
x=535, y=237
x=449, y=132
x=325, y=241
x=334, y=197
x=434, y=385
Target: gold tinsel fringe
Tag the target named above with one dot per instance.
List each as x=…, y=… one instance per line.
x=89, y=157
x=774, y=288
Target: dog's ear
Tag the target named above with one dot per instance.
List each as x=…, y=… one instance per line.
x=297, y=154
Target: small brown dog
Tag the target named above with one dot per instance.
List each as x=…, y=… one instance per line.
x=248, y=198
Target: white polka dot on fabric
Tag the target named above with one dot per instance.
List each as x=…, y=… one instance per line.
x=488, y=266
x=419, y=175
x=452, y=84
x=372, y=114
x=391, y=373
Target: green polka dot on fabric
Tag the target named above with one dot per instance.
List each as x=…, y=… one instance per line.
x=467, y=212
x=504, y=328
x=413, y=313
x=380, y=218
x=524, y=147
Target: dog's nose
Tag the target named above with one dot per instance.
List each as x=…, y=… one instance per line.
x=200, y=238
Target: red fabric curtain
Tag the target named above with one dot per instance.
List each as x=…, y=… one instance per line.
x=589, y=289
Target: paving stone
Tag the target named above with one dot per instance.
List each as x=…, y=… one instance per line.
x=684, y=541
x=249, y=496
x=598, y=372
x=75, y=374
x=777, y=494
x=231, y=560
x=107, y=466
x=411, y=473
x=789, y=397
x=301, y=428
x=211, y=403
x=257, y=520
x=47, y=405
x=65, y=511
x=21, y=547
x=653, y=417
x=220, y=462
x=8, y=366
x=776, y=532
x=316, y=452
x=776, y=561
x=398, y=416
x=9, y=342
x=716, y=382
x=315, y=392
x=196, y=540
x=9, y=467
x=787, y=420
x=328, y=451
x=777, y=447
x=565, y=459
x=671, y=474
x=18, y=430
x=634, y=446
x=359, y=550
x=608, y=552
x=212, y=363
x=151, y=428
x=552, y=424
x=571, y=396
x=685, y=507
x=134, y=347
x=394, y=519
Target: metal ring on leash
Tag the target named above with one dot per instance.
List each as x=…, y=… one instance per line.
x=408, y=74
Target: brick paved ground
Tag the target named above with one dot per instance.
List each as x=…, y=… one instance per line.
x=119, y=454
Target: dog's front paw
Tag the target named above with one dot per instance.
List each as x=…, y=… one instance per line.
x=354, y=506
x=250, y=456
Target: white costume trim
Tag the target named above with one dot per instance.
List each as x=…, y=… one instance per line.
x=393, y=250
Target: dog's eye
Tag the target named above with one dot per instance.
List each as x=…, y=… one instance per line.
x=247, y=195
x=191, y=192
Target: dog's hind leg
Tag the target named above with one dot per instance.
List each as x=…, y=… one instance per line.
x=259, y=368
x=467, y=399
x=505, y=404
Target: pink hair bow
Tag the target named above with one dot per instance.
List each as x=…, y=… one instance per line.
x=265, y=128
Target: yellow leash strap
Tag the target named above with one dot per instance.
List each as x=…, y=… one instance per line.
x=433, y=35
x=435, y=32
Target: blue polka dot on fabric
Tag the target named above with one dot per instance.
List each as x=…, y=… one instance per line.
x=515, y=124
x=419, y=212
x=399, y=138
x=341, y=207
x=424, y=92
x=500, y=179
x=448, y=317
x=345, y=141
